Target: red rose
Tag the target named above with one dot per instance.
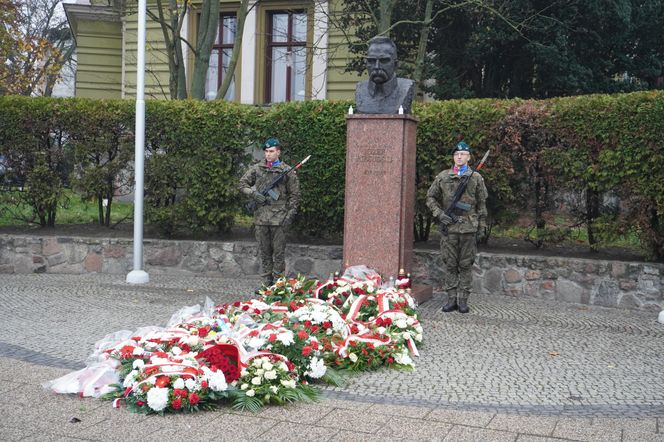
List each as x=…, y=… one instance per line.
x=379, y=322
x=327, y=324
x=245, y=307
x=257, y=311
x=388, y=321
x=140, y=403
x=390, y=360
x=306, y=351
x=307, y=323
x=272, y=337
x=204, y=384
x=338, y=301
x=354, y=328
x=194, y=398
x=176, y=404
x=236, y=304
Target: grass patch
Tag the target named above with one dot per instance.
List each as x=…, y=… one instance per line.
x=71, y=210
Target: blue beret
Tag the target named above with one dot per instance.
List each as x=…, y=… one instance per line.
x=272, y=142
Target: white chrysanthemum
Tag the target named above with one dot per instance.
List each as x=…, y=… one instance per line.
x=286, y=337
x=178, y=383
x=138, y=351
x=271, y=375
x=158, y=398
x=256, y=381
x=352, y=357
x=217, y=381
x=317, y=368
x=250, y=393
x=138, y=364
x=190, y=384
x=401, y=323
x=268, y=365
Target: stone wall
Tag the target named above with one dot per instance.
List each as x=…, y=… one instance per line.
x=632, y=285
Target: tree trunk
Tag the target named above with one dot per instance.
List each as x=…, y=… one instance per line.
x=207, y=30
x=422, y=47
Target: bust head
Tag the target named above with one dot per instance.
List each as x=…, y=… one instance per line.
x=381, y=60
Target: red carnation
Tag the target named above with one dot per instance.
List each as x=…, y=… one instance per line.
x=314, y=345
x=307, y=323
x=388, y=321
x=272, y=337
x=176, y=404
x=194, y=398
x=302, y=335
x=327, y=324
x=306, y=351
x=236, y=304
x=245, y=307
x=204, y=384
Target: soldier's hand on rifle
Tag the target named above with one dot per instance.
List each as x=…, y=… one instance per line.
x=445, y=219
x=258, y=197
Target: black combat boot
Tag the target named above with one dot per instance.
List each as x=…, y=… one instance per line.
x=451, y=305
x=463, y=305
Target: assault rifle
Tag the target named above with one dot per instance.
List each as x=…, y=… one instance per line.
x=458, y=193
x=269, y=191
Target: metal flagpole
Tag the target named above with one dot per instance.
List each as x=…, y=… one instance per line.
x=138, y=275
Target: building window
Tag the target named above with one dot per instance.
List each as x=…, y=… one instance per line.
x=286, y=56
x=221, y=56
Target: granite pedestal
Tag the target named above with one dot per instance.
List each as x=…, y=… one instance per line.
x=380, y=194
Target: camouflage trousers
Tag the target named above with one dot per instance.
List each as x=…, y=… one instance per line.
x=271, y=250
x=458, y=252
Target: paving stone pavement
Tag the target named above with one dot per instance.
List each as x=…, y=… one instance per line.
x=510, y=370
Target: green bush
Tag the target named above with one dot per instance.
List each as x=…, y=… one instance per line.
x=196, y=151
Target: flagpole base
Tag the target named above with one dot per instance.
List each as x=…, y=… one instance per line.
x=138, y=277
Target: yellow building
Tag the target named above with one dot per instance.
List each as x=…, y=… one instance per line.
x=291, y=51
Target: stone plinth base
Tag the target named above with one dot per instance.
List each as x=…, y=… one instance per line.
x=421, y=293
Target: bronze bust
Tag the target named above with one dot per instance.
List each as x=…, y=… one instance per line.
x=384, y=92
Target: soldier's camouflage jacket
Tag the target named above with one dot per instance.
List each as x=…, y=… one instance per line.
x=258, y=176
x=442, y=191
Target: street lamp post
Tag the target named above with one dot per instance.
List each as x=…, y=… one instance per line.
x=138, y=275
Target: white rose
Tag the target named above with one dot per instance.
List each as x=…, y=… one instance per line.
x=176, y=350
x=274, y=389
x=418, y=337
x=418, y=328
x=410, y=320
x=352, y=357
x=271, y=375
x=401, y=323
x=283, y=366
x=268, y=366
x=260, y=371
x=406, y=335
x=244, y=386
x=257, y=362
x=179, y=383
x=158, y=398
x=250, y=393
x=256, y=381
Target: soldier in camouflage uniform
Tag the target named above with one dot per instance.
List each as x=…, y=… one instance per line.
x=459, y=247
x=272, y=218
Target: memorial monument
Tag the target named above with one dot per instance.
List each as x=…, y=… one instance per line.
x=380, y=170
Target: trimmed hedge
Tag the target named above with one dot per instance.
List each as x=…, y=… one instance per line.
x=586, y=146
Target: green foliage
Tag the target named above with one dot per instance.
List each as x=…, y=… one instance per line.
x=584, y=147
